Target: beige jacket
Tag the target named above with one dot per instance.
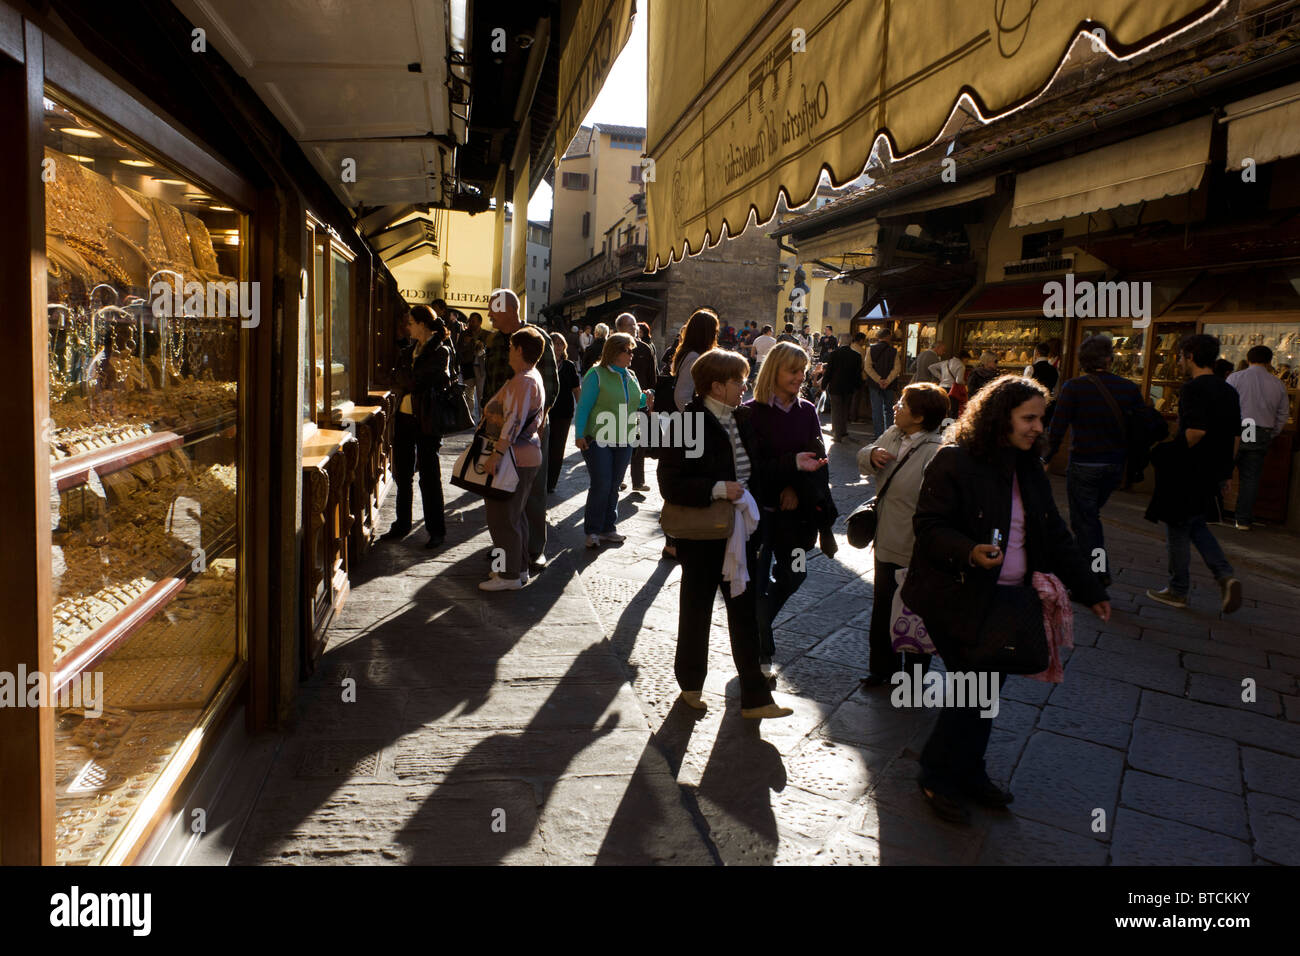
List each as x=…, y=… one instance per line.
x=894, y=536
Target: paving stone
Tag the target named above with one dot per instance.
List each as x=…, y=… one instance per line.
x=821, y=680
x=1143, y=840
x=1185, y=754
x=1281, y=662
x=1143, y=671
x=1291, y=707
x=848, y=646
x=1060, y=781
x=1091, y=693
x=870, y=725
x=1275, y=822
x=1002, y=753
x=1228, y=693
x=1270, y=772
x=1253, y=729
x=1187, y=803
x=1235, y=671
x=1074, y=723
x=1261, y=639
x=1206, y=647
x=897, y=817
x=848, y=849
x=1015, y=841
x=836, y=771
x=1025, y=690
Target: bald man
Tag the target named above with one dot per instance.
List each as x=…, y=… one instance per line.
x=503, y=309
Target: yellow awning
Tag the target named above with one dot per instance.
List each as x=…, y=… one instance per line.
x=949, y=194
x=750, y=98
x=1169, y=162
x=861, y=237
x=1264, y=127
x=599, y=33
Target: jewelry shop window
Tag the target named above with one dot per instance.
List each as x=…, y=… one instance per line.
x=330, y=281
x=145, y=306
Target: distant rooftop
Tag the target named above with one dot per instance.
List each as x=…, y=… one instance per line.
x=638, y=131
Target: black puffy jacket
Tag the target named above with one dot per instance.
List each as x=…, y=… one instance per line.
x=425, y=381
x=962, y=500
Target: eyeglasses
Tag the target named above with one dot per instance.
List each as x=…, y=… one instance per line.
x=628, y=352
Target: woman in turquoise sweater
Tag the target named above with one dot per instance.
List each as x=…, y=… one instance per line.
x=605, y=428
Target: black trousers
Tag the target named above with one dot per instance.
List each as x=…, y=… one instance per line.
x=638, y=465
x=557, y=440
x=413, y=449
x=701, y=576
x=884, y=661
x=953, y=757
x=774, y=573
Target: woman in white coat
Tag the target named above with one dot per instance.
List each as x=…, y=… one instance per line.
x=906, y=448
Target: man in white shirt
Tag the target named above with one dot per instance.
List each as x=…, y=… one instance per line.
x=763, y=344
x=1265, y=405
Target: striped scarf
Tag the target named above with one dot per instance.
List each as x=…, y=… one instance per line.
x=727, y=419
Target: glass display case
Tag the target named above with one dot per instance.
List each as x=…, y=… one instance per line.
x=145, y=309
x=1128, y=344
x=330, y=282
x=1011, y=340
x=1283, y=338
x=1167, y=375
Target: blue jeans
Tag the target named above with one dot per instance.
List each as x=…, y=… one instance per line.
x=606, y=465
x=1250, y=468
x=1088, y=486
x=1179, y=538
x=882, y=407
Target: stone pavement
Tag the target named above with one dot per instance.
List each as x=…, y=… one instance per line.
x=541, y=726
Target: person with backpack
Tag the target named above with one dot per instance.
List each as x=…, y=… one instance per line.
x=881, y=368
x=1095, y=408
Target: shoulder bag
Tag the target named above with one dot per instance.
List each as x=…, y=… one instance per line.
x=712, y=523
x=470, y=471
x=1012, y=639
x=862, y=523
x=453, y=411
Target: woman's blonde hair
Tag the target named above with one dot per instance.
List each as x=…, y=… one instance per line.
x=615, y=344
x=602, y=330
x=783, y=356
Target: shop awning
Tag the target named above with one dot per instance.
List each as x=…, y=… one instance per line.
x=949, y=195
x=750, y=99
x=1005, y=300
x=1169, y=162
x=857, y=240
x=1264, y=127
x=598, y=35
x=925, y=305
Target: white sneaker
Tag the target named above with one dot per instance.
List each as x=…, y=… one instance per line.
x=499, y=583
x=593, y=541
x=766, y=668
x=613, y=536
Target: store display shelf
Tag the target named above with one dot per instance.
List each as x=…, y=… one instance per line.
x=71, y=472
x=116, y=630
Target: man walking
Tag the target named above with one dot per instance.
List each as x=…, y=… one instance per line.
x=828, y=344
x=843, y=378
x=1189, y=471
x=881, y=368
x=503, y=309
x=1094, y=408
x=469, y=355
x=1264, y=404
x=643, y=367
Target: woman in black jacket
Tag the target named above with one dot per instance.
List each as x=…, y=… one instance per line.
x=990, y=478
x=422, y=374
x=719, y=471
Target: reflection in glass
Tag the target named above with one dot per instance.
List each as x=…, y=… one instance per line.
x=340, y=329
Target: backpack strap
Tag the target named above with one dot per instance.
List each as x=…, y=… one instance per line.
x=1114, y=405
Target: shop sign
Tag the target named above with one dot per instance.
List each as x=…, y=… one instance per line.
x=600, y=31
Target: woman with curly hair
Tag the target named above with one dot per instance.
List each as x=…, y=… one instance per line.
x=985, y=523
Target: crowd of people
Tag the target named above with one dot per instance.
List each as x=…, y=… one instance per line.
x=965, y=532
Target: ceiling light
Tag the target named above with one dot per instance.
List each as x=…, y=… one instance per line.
x=78, y=131
x=81, y=159
x=170, y=182
x=221, y=209
x=135, y=162
x=232, y=240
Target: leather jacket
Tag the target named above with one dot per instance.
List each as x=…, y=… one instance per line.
x=424, y=381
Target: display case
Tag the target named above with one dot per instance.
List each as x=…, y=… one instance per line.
x=1011, y=340
x=145, y=303
x=1129, y=345
x=330, y=284
x=1167, y=375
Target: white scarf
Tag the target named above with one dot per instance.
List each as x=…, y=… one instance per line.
x=735, y=569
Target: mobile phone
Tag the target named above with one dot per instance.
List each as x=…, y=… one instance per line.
x=995, y=539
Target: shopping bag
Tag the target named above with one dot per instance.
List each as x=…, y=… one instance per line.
x=907, y=631
x=470, y=471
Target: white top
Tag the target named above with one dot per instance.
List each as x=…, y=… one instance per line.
x=685, y=389
x=762, y=345
x=1263, y=397
x=951, y=371
x=585, y=340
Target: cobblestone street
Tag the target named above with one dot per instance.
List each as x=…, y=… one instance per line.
x=541, y=726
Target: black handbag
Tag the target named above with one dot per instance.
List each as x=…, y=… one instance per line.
x=861, y=525
x=1012, y=639
x=453, y=410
